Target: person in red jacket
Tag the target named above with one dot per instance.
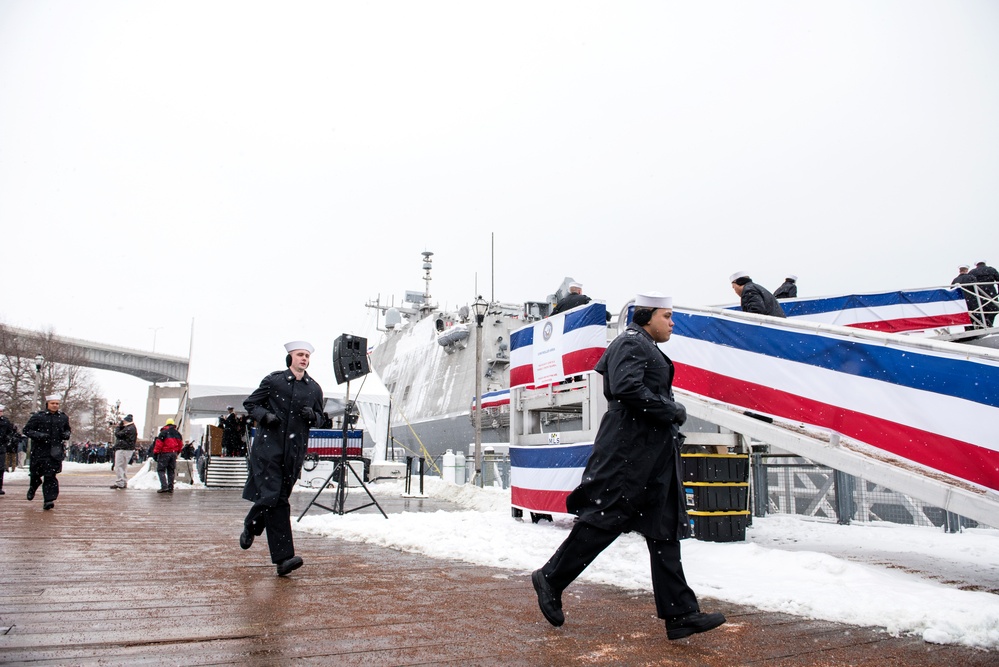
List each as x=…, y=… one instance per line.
x=168, y=444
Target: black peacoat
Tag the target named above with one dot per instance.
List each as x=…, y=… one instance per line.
x=278, y=451
x=8, y=436
x=635, y=463
x=48, y=431
x=757, y=299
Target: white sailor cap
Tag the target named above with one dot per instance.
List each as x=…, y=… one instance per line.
x=576, y=285
x=791, y=276
x=2, y=408
x=964, y=266
x=53, y=397
x=738, y=274
x=653, y=300
x=299, y=345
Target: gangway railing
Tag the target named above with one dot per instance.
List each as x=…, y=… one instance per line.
x=919, y=410
x=853, y=457
x=949, y=312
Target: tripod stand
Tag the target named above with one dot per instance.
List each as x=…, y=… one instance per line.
x=340, y=470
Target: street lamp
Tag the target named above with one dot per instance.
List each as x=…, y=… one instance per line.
x=154, y=330
x=479, y=307
x=39, y=360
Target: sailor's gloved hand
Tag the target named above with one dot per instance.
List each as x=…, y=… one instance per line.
x=309, y=414
x=268, y=419
x=66, y=435
x=681, y=415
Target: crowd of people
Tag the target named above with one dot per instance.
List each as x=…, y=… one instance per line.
x=43, y=445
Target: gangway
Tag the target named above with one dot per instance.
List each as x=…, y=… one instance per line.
x=913, y=414
x=910, y=413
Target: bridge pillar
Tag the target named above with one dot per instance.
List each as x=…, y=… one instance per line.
x=164, y=402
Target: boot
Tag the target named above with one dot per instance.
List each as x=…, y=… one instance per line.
x=679, y=627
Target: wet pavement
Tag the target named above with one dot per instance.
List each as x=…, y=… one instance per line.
x=139, y=578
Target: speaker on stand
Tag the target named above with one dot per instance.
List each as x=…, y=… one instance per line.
x=350, y=361
x=350, y=358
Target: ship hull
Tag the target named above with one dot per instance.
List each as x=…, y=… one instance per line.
x=431, y=439
x=433, y=386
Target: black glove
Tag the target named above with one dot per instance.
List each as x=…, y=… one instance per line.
x=66, y=435
x=309, y=414
x=681, y=415
x=268, y=419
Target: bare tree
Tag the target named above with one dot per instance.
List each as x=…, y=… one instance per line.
x=17, y=377
x=102, y=420
x=60, y=374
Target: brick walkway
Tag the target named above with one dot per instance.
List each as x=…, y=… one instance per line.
x=139, y=578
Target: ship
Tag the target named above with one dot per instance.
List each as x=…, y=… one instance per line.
x=426, y=359
x=426, y=356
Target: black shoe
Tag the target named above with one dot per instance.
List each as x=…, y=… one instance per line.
x=2, y=492
x=692, y=623
x=31, y=493
x=551, y=604
x=163, y=491
x=245, y=538
x=49, y=505
x=286, y=566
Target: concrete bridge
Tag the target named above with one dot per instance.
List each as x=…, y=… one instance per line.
x=154, y=368
x=148, y=366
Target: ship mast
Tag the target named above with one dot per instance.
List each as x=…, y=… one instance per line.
x=427, y=265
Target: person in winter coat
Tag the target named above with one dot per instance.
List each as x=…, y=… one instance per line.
x=755, y=298
x=8, y=446
x=987, y=277
x=970, y=296
x=632, y=480
x=788, y=289
x=48, y=430
x=229, y=423
x=573, y=299
x=125, y=435
x=242, y=428
x=285, y=405
x=166, y=446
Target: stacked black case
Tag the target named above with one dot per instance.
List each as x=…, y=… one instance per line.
x=716, y=487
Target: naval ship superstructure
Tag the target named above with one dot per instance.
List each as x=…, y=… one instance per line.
x=426, y=359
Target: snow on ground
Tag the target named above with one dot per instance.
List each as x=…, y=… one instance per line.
x=900, y=578
x=140, y=479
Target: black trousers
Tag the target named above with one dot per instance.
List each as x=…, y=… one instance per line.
x=277, y=521
x=43, y=473
x=166, y=468
x=585, y=542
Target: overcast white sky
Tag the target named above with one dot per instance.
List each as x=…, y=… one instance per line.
x=265, y=168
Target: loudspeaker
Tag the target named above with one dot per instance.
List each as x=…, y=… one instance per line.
x=350, y=358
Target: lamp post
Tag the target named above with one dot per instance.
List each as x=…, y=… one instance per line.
x=39, y=360
x=154, y=330
x=480, y=307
